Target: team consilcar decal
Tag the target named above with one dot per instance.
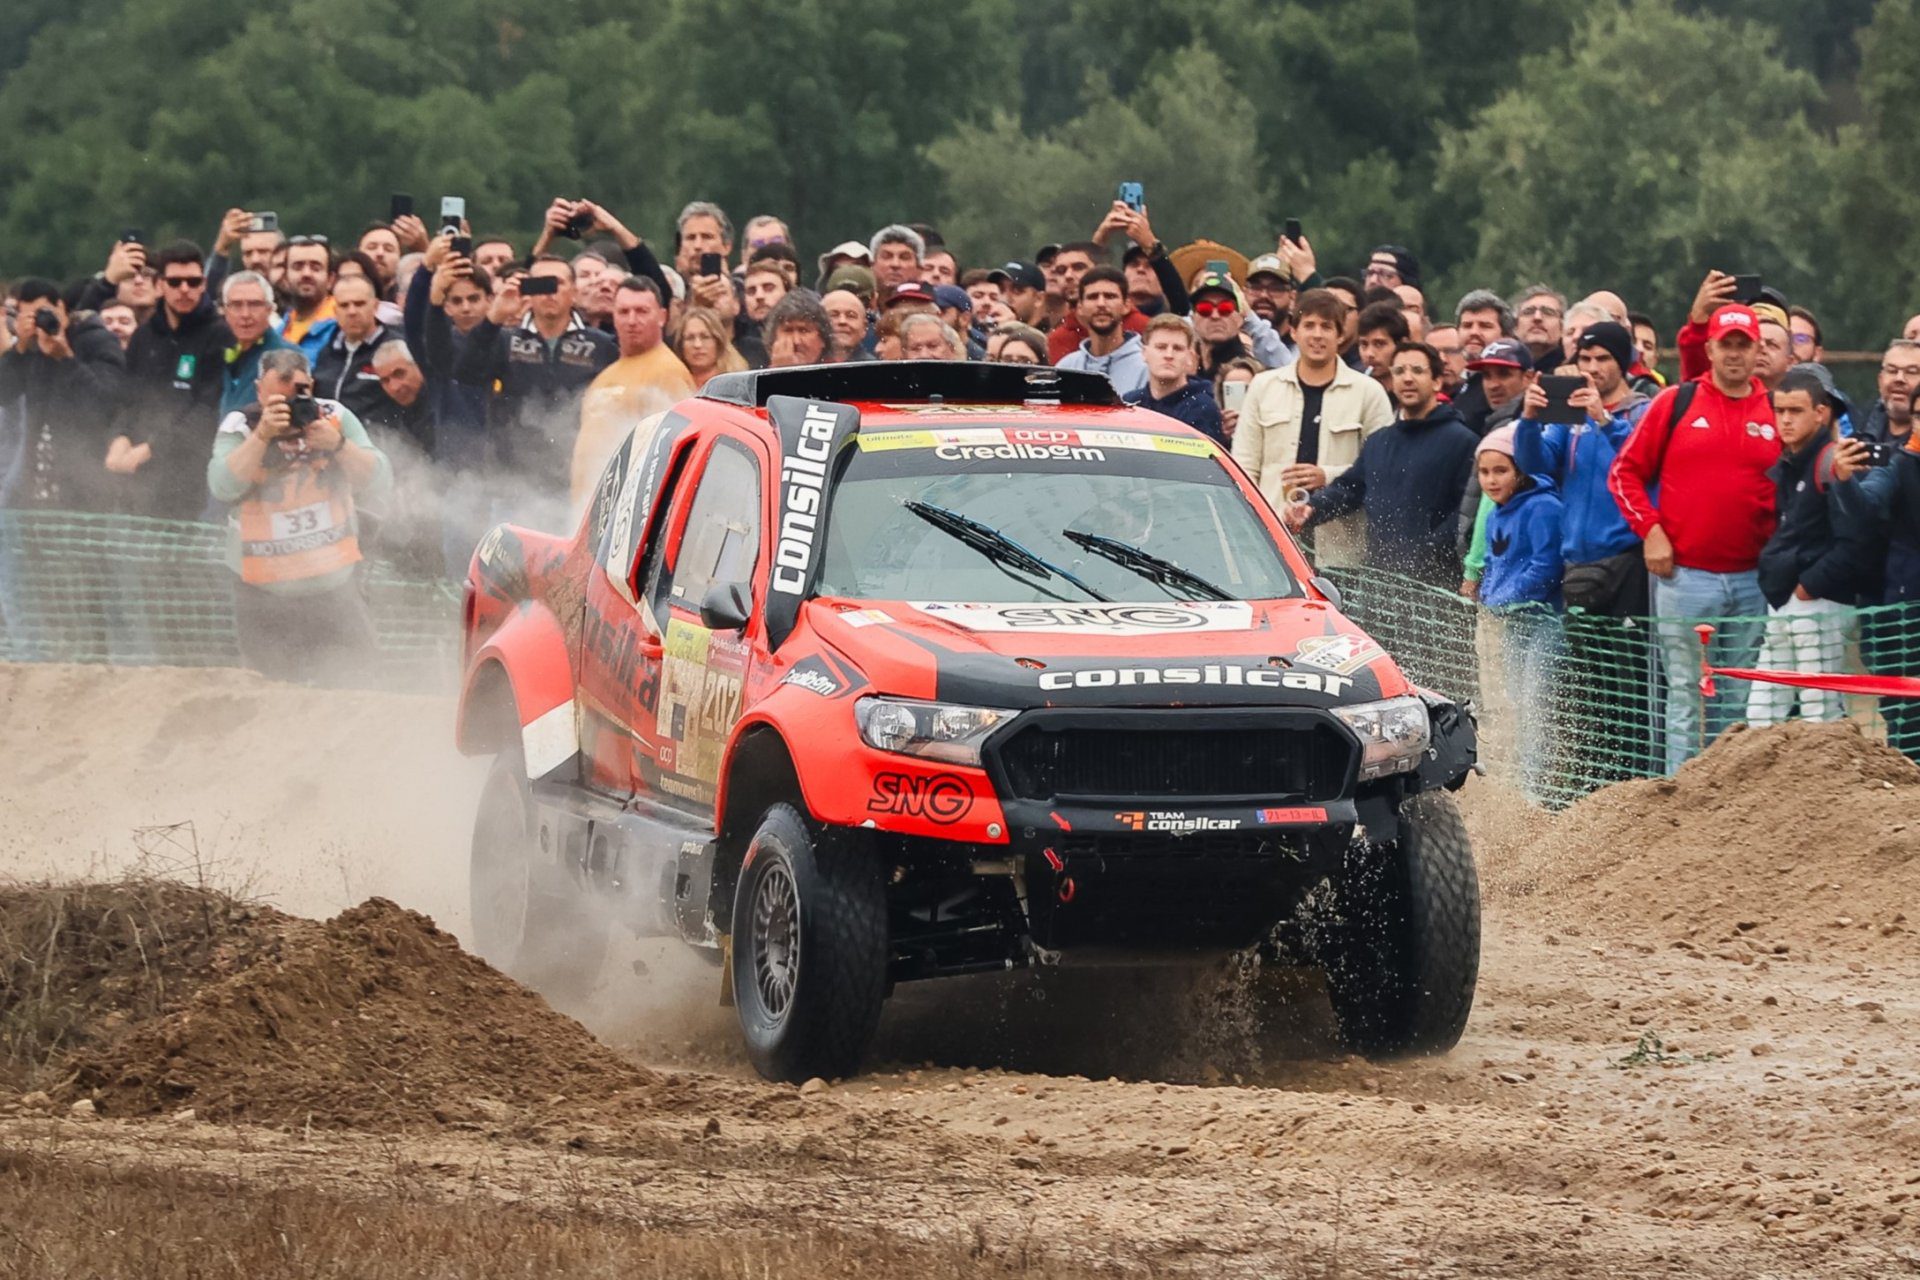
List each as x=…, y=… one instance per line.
x=1031, y=444
x=1095, y=619
x=811, y=433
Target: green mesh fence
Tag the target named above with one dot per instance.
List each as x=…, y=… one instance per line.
x=1566, y=703
x=1595, y=708
x=140, y=592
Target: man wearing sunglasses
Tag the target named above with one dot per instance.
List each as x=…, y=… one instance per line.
x=174, y=365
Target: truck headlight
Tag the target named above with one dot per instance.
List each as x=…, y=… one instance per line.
x=1393, y=733
x=933, y=730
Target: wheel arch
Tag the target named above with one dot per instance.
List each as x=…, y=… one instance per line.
x=760, y=773
x=521, y=681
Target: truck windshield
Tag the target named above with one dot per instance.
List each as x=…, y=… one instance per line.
x=1063, y=498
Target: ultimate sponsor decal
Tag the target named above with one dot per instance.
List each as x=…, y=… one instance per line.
x=1031, y=444
x=1341, y=654
x=865, y=617
x=1101, y=619
x=1296, y=814
x=1218, y=674
x=1172, y=822
x=942, y=798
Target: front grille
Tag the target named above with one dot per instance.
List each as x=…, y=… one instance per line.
x=1302, y=759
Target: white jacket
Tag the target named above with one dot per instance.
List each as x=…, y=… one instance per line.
x=1267, y=441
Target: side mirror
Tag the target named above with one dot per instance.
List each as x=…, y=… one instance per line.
x=727, y=606
x=1326, y=588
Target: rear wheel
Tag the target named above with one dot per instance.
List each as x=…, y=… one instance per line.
x=1402, y=951
x=809, y=949
x=530, y=918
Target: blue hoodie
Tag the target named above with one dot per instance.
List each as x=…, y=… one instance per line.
x=1523, y=549
x=1577, y=459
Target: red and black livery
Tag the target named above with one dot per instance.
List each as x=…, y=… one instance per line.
x=859, y=674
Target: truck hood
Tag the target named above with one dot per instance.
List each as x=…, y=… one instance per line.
x=1292, y=652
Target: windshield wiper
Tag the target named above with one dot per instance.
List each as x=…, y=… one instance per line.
x=1146, y=564
x=993, y=544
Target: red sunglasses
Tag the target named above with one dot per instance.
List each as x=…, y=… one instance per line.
x=1224, y=307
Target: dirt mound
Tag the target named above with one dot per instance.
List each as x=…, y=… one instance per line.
x=374, y=1018
x=1771, y=841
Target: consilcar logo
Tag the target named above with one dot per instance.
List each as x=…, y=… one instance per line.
x=804, y=475
x=1212, y=674
x=1176, y=823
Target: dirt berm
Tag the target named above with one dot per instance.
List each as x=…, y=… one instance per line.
x=150, y=998
x=1772, y=842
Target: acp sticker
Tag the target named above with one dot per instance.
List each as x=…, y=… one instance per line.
x=1342, y=655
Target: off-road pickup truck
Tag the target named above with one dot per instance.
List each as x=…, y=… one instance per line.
x=861, y=674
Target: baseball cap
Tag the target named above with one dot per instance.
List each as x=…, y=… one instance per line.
x=1767, y=311
x=910, y=291
x=951, y=295
x=1046, y=253
x=1506, y=353
x=1212, y=280
x=853, y=279
x=1404, y=262
x=1269, y=264
x=1023, y=275
x=1734, y=319
x=1825, y=377
x=850, y=249
x=1133, y=254
x=1611, y=338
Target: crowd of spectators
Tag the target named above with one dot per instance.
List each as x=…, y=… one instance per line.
x=396, y=394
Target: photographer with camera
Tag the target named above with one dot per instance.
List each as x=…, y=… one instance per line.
x=66, y=378
x=293, y=469
x=577, y=219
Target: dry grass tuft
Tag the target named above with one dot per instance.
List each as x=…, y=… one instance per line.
x=67, y=1220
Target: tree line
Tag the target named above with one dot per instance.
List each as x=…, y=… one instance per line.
x=1625, y=144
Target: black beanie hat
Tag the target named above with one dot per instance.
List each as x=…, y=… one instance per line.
x=1611, y=338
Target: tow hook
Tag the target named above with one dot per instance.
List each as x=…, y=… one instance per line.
x=1066, y=888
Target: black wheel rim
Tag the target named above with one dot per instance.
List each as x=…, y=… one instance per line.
x=776, y=940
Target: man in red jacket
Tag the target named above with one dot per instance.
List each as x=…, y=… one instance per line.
x=1702, y=535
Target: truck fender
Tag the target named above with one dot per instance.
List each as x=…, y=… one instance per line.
x=528, y=655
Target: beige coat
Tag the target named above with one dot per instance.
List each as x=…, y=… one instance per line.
x=1267, y=440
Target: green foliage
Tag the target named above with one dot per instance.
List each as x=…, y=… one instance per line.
x=1632, y=161
x=1006, y=191
x=1629, y=144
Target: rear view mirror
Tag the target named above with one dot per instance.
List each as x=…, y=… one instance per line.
x=1326, y=588
x=727, y=606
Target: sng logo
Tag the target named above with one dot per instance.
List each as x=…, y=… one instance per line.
x=942, y=798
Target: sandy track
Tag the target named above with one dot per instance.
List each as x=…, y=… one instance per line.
x=1793, y=1149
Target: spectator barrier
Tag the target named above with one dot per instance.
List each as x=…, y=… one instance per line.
x=126, y=590
x=134, y=591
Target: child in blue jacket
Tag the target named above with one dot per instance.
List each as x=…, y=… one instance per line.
x=1522, y=584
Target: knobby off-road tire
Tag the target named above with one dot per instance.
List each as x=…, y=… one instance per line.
x=1404, y=950
x=809, y=949
x=530, y=918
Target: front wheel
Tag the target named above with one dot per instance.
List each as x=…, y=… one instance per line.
x=529, y=918
x=809, y=949
x=1402, y=953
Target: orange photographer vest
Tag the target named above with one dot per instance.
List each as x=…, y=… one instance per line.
x=298, y=523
